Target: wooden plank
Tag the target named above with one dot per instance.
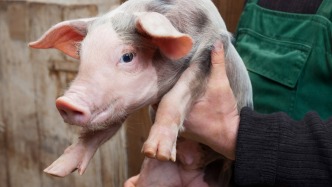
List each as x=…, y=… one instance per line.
x=3, y=96
x=18, y=103
x=138, y=126
x=230, y=11
x=113, y=159
x=55, y=136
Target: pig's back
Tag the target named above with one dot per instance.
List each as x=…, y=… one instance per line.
x=193, y=17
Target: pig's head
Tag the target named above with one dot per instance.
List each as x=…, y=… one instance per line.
x=126, y=62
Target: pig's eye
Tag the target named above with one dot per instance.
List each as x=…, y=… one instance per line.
x=127, y=57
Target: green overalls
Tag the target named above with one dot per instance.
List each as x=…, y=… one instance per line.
x=289, y=59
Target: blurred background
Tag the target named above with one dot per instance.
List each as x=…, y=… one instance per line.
x=32, y=133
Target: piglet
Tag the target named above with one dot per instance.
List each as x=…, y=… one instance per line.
x=145, y=52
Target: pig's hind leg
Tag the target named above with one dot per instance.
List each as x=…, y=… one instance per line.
x=78, y=155
x=187, y=171
x=170, y=115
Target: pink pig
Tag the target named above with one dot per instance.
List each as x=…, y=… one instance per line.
x=145, y=52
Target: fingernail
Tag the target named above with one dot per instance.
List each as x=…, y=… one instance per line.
x=218, y=45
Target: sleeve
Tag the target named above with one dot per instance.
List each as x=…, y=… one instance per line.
x=273, y=149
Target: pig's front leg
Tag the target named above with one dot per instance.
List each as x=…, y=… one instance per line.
x=78, y=155
x=171, y=112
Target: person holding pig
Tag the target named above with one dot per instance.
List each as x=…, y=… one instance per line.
x=273, y=148
x=268, y=149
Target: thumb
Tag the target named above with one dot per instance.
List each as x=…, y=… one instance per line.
x=218, y=69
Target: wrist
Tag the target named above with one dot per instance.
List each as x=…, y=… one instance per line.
x=225, y=142
x=230, y=143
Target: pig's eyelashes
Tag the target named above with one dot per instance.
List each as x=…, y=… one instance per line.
x=127, y=57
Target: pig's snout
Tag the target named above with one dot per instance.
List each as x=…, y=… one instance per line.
x=72, y=113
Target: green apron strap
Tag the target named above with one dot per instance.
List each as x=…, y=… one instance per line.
x=252, y=1
x=325, y=9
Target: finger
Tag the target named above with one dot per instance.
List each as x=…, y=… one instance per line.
x=132, y=182
x=218, y=61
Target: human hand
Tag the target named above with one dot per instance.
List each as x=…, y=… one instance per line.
x=131, y=182
x=156, y=173
x=186, y=171
x=214, y=118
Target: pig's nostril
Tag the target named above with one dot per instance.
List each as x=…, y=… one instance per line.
x=78, y=113
x=72, y=113
x=62, y=112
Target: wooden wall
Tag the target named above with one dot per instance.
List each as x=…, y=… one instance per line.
x=230, y=10
x=32, y=133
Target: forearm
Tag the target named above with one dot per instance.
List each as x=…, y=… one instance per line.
x=273, y=149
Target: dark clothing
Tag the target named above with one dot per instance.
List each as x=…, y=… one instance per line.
x=276, y=150
x=286, y=46
x=288, y=55
x=292, y=6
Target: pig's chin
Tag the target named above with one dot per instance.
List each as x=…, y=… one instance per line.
x=106, y=119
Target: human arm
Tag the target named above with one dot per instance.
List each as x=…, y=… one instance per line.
x=273, y=149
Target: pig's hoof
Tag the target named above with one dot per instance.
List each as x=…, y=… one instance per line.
x=58, y=170
x=161, y=144
x=152, y=154
x=162, y=156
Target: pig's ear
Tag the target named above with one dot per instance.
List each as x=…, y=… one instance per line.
x=64, y=36
x=170, y=41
